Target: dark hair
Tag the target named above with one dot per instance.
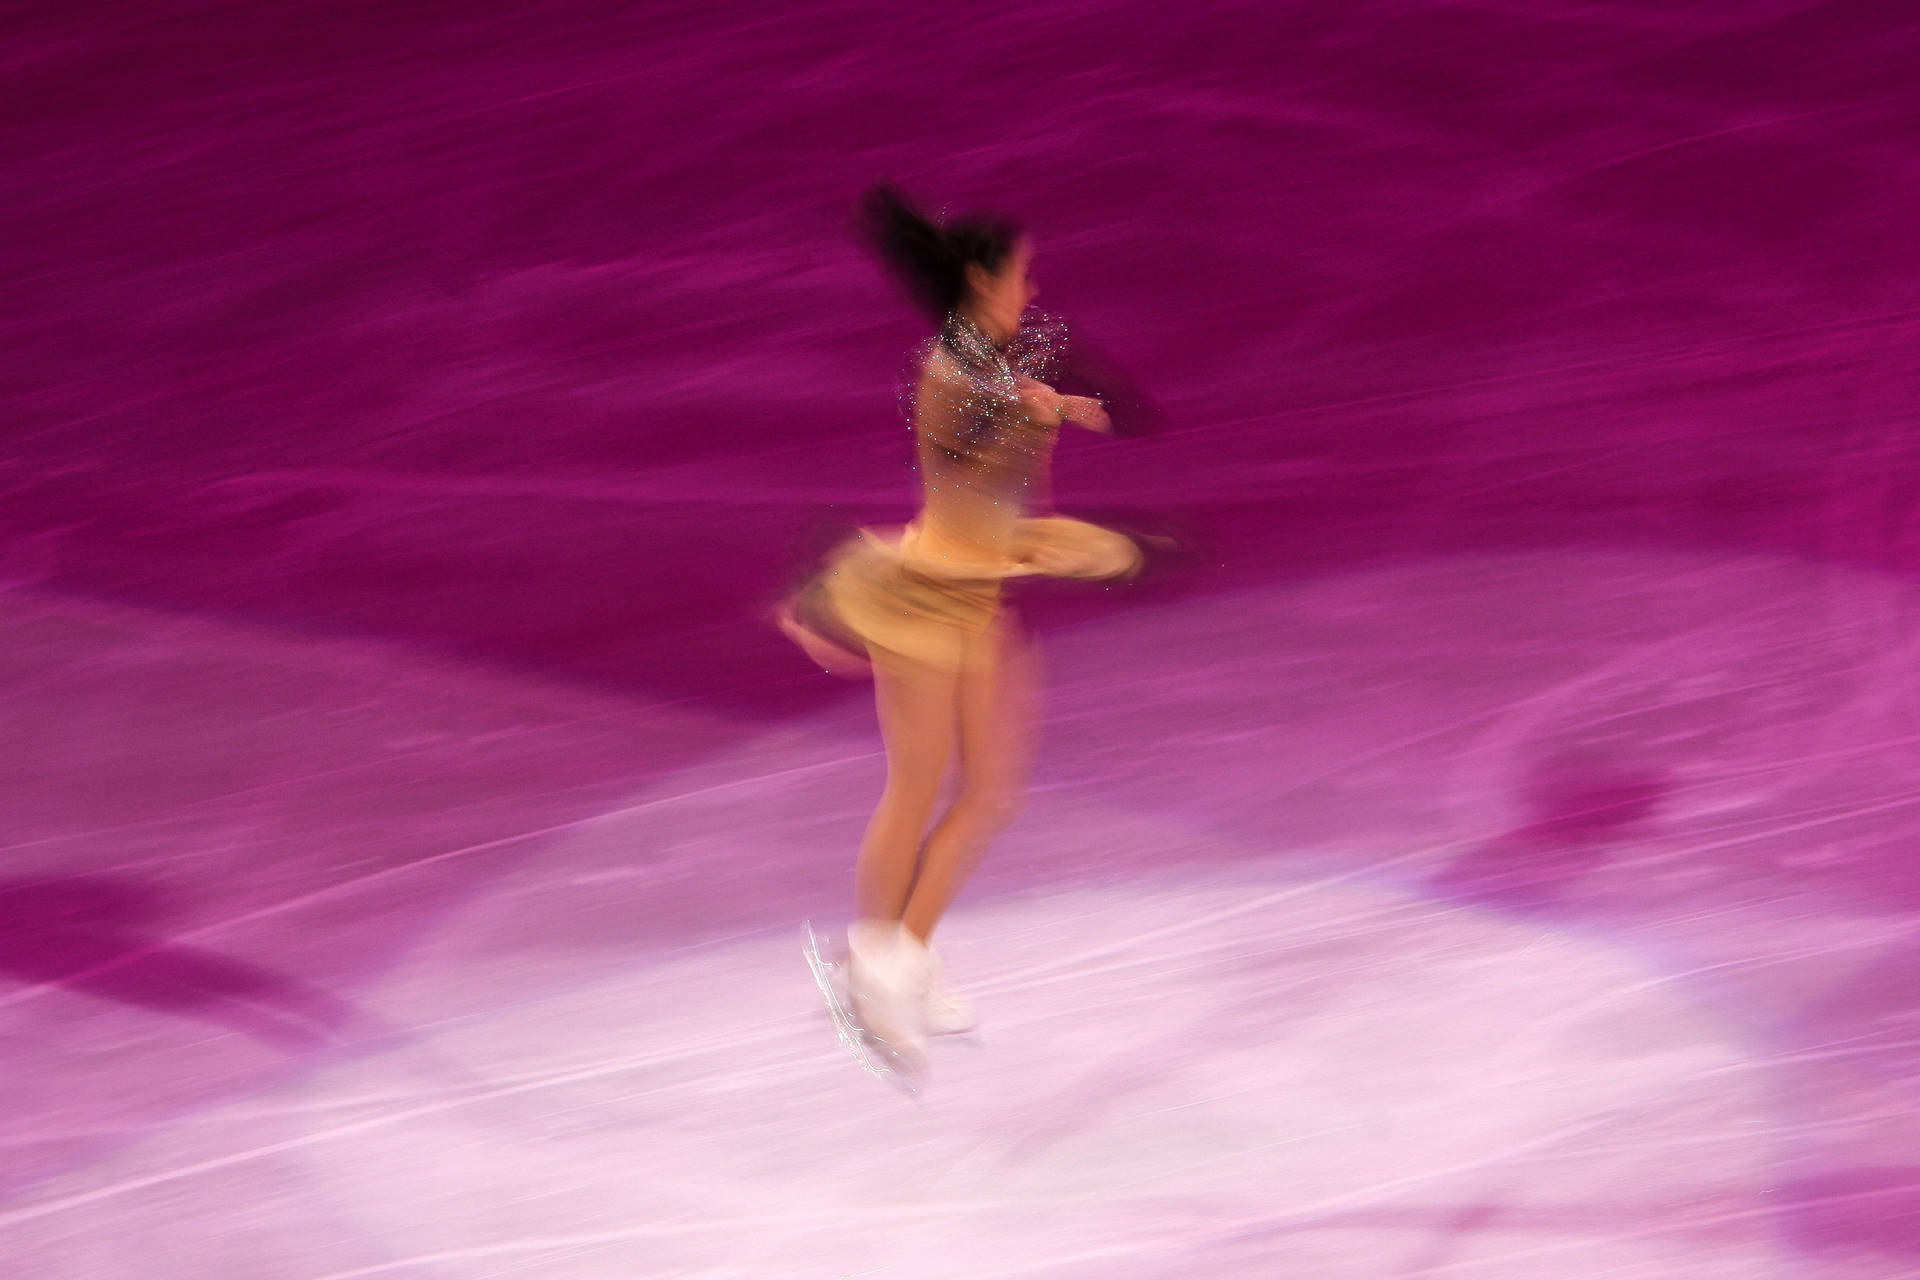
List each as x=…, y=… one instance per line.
x=928, y=259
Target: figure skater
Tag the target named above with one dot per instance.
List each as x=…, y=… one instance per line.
x=922, y=608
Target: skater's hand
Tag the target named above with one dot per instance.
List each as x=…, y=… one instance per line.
x=1043, y=406
x=1085, y=411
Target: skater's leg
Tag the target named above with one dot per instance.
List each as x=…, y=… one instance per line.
x=998, y=700
x=917, y=715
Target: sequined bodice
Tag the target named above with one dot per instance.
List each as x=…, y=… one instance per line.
x=983, y=462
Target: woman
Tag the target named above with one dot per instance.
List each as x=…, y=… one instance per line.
x=923, y=608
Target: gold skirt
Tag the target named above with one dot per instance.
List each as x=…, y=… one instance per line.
x=875, y=594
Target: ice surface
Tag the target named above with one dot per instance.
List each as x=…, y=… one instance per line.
x=1486, y=851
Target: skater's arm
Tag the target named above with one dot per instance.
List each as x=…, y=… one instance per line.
x=1099, y=396
x=1093, y=380
x=1047, y=407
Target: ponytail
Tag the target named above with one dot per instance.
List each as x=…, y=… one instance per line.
x=928, y=260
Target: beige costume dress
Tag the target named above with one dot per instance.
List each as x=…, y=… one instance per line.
x=930, y=592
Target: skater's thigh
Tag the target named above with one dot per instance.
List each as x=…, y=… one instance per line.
x=916, y=704
x=998, y=698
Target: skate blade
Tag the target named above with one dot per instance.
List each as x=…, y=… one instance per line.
x=877, y=1057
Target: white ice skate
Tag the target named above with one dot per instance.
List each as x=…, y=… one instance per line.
x=887, y=973
x=945, y=1011
x=859, y=1009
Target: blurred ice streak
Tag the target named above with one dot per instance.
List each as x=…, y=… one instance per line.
x=1488, y=852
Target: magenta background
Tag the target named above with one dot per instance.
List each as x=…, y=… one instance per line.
x=536, y=334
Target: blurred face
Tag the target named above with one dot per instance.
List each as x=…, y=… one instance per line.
x=999, y=297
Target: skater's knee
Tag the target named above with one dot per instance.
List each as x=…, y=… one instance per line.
x=993, y=803
x=915, y=786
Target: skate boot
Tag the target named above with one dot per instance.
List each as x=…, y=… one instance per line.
x=887, y=970
x=945, y=1011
